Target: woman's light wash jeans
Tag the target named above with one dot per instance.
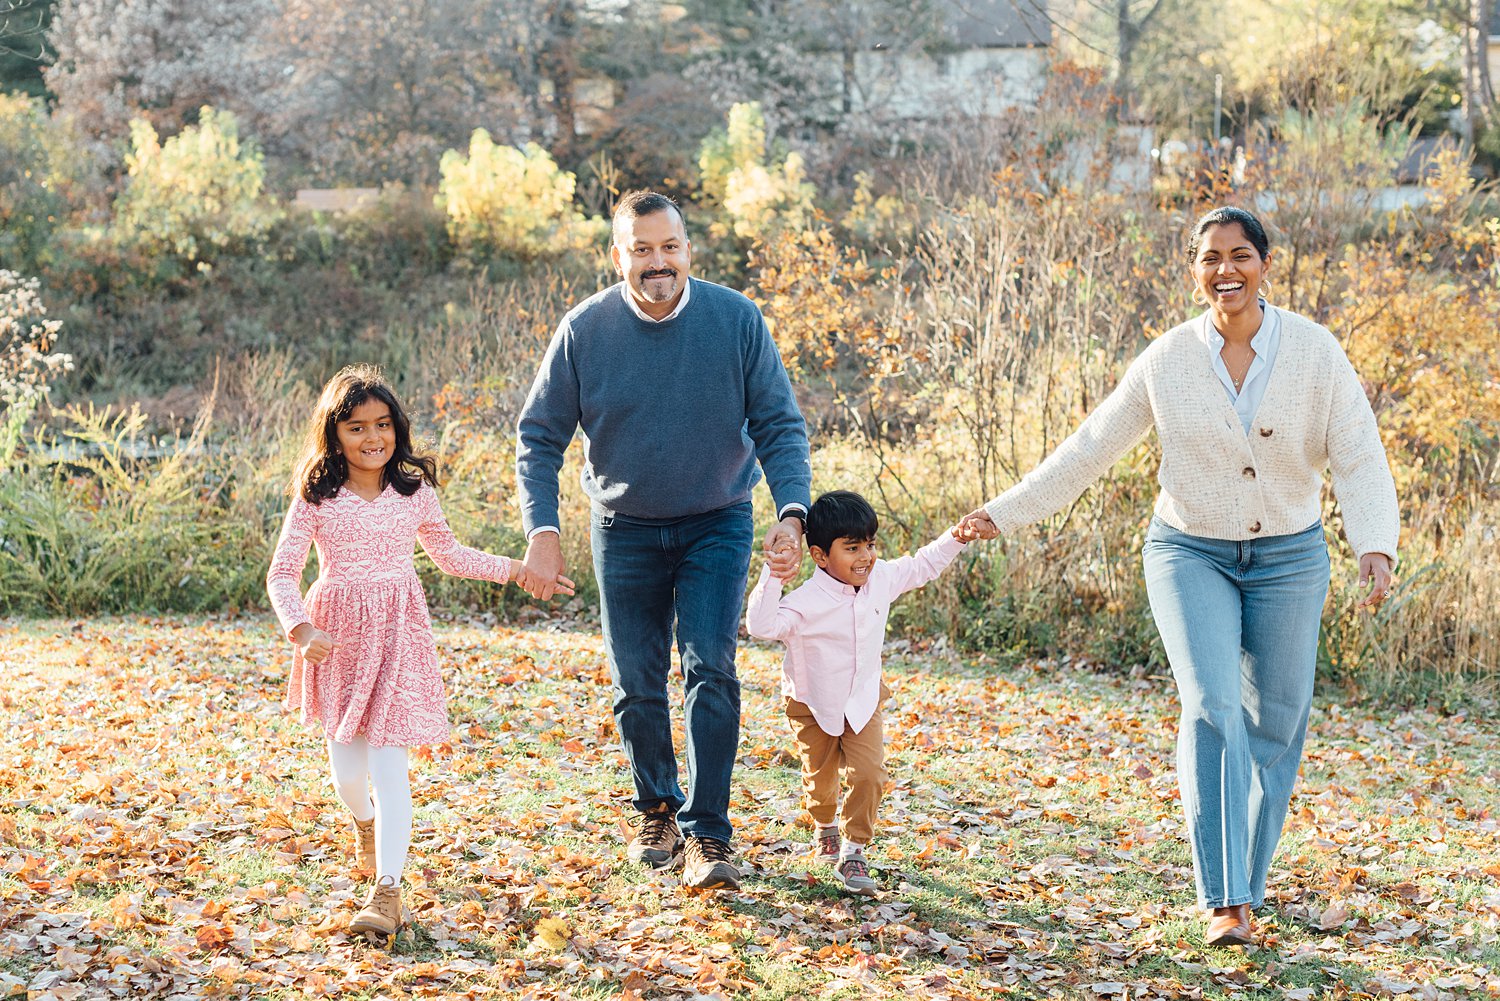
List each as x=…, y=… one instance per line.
x=1239, y=621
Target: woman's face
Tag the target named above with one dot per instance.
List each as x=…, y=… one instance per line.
x=1228, y=269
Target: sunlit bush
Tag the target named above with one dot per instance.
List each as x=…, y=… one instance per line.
x=28, y=361
x=756, y=195
x=511, y=202
x=37, y=169
x=198, y=193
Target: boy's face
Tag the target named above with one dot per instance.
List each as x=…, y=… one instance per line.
x=847, y=560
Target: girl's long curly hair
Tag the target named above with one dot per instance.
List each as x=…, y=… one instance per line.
x=322, y=469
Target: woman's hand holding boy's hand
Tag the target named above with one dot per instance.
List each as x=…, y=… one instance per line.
x=313, y=643
x=531, y=580
x=977, y=524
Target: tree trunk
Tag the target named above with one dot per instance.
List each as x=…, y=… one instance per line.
x=1127, y=34
x=1479, y=91
x=560, y=67
x=847, y=80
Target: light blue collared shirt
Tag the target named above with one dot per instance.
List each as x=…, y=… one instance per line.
x=1265, y=343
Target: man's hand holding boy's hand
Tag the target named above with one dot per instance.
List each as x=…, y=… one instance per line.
x=977, y=524
x=783, y=548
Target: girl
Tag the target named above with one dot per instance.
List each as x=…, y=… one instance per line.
x=365, y=665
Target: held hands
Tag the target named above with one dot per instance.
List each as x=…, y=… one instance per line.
x=783, y=547
x=1374, y=571
x=541, y=572
x=977, y=524
x=964, y=532
x=313, y=643
x=531, y=581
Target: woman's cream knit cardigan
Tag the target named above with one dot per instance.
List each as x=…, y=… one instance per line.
x=1217, y=481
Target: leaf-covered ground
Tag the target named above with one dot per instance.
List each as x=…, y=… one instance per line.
x=167, y=831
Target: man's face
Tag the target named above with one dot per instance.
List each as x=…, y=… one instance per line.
x=653, y=255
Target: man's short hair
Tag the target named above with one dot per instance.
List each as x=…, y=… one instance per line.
x=634, y=204
x=840, y=514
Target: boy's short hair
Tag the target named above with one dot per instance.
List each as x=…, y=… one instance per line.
x=840, y=514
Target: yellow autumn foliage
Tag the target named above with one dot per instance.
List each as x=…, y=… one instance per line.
x=513, y=201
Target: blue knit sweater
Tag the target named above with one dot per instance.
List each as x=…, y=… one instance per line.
x=675, y=415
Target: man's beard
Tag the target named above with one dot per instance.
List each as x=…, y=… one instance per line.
x=651, y=295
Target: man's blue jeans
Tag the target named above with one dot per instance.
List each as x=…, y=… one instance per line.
x=690, y=572
x=1239, y=621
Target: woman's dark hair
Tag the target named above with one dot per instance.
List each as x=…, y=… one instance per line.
x=322, y=469
x=1223, y=216
x=840, y=514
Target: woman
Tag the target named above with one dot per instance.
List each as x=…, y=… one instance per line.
x=1250, y=403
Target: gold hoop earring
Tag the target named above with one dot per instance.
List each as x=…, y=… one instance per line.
x=1200, y=298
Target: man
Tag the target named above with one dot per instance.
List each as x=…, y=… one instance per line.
x=679, y=390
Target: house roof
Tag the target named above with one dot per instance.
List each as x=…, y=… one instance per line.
x=988, y=24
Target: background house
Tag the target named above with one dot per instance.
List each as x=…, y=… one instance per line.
x=989, y=55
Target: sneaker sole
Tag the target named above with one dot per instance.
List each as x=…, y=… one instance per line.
x=715, y=880
x=671, y=862
x=719, y=884
x=376, y=936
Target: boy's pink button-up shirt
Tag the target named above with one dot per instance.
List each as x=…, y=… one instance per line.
x=833, y=633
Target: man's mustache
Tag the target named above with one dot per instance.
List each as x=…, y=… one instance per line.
x=663, y=273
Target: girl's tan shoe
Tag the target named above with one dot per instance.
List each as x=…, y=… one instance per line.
x=364, y=844
x=380, y=919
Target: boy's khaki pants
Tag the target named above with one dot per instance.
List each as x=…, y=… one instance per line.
x=860, y=755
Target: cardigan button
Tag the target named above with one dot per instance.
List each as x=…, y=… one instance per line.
x=1265, y=432
x=1255, y=527
x=1249, y=471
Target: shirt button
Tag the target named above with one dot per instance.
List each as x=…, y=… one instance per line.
x=1255, y=527
x=1249, y=471
x=1265, y=432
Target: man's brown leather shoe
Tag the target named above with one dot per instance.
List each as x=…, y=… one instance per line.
x=1230, y=926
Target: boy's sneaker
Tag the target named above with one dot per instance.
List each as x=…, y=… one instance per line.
x=659, y=840
x=855, y=875
x=826, y=843
x=708, y=865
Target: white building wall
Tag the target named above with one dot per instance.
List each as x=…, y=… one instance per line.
x=969, y=81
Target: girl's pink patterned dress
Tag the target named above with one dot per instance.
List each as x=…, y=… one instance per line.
x=382, y=679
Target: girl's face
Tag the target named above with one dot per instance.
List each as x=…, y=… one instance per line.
x=1228, y=269
x=367, y=438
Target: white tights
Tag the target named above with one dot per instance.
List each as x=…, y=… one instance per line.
x=358, y=768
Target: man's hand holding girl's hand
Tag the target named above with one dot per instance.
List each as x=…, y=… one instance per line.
x=532, y=580
x=313, y=643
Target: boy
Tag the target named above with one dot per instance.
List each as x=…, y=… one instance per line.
x=833, y=627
